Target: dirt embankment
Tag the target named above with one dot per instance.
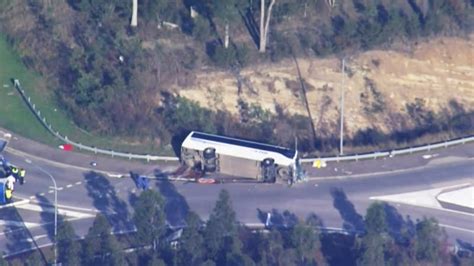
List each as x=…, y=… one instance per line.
x=385, y=90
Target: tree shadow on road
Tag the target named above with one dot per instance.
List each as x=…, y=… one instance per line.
x=176, y=206
x=17, y=236
x=278, y=219
x=353, y=221
x=399, y=228
x=47, y=215
x=106, y=200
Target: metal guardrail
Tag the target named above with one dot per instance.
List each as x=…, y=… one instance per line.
x=95, y=150
x=392, y=153
x=148, y=158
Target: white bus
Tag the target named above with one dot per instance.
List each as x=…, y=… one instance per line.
x=239, y=157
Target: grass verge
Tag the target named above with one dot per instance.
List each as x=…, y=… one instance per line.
x=15, y=115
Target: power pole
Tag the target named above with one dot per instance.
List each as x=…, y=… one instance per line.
x=341, y=137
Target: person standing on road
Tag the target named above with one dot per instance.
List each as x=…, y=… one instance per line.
x=10, y=183
x=21, y=176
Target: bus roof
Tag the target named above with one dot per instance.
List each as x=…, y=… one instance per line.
x=239, y=147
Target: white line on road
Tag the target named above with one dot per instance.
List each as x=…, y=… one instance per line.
x=37, y=208
x=60, y=188
x=68, y=186
x=78, y=182
x=41, y=194
x=51, y=191
x=18, y=224
x=457, y=228
x=16, y=203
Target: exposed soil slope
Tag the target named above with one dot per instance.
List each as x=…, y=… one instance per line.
x=385, y=90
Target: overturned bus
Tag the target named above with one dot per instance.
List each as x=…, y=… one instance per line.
x=241, y=158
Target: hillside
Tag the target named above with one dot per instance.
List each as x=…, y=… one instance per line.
x=116, y=80
x=387, y=90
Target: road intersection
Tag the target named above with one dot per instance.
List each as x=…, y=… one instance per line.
x=338, y=195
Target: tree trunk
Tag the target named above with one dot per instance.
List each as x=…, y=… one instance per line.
x=264, y=23
x=262, y=19
x=226, y=38
x=134, y=21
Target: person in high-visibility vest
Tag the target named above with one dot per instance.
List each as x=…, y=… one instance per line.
x=22, y=175
x=8, y=195
x=14, y=171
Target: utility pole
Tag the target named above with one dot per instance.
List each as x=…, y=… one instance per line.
x=341, y=137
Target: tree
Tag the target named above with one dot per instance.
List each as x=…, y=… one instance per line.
x=373, y=244
x=100, y=246
x=264, y=23
x=430, y=243
x=306, y=244
x=33, y=259
x=149, y=218
x=372, y=249
x=375, y=218
x=68, y=247
x=191, y=247
x=227, y=11
x=221, y=233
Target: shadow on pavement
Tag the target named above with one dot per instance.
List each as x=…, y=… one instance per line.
x=285, y=219
x=105, y=199
x=352, y=220
x=400, y=229
x=18, y=237
x=47, y=215
x=176, y=206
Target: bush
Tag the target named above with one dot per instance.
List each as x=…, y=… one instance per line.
x=224, y=57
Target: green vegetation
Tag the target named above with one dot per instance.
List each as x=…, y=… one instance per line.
x=14, y=113
x=16, y=116
x=113, y=80
x=388, y=239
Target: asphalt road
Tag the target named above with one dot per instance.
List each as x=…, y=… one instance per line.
x=338, y=195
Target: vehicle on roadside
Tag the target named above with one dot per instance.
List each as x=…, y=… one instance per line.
x=239, y=157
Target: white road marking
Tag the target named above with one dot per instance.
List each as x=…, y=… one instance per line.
x=457, y=228
x=27, y=160
x=422, y=198
x=51, y=191
x=68, y=186
x=78, y=182
x=69, y=213
x=16, y=203
x=32, y=197
x=41, y=194
x=60, y=188
x=18, y=224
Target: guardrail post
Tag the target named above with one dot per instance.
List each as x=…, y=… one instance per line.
x=445, y=144
x=95, y=150
x=129, y=156
x=34, y=107
x=429, y=147
x=148, y=158
x=39, y=113
x=29, y=100
x=357, y=157
x=80, y=146
x=112, y=153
